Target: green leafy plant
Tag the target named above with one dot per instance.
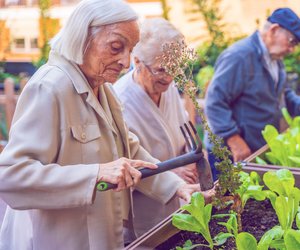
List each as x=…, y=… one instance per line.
x=284, y=196
x=250, y=188
x=198, y=218
x=284, y=148
x=218, y=40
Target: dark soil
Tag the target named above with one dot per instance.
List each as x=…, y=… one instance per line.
x=257, y=218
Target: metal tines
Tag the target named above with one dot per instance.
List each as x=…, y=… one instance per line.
x=191, y=137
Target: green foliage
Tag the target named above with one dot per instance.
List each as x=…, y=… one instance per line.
x=250, y=188
x=166, y=9
x=292, y=61
x=198, y=218
x=281, y=182
x=271, y=236
x=246, y=241
x=44, y=6
x=4, y=75
x=231, y=226
x=203, y=77
x=218, y=40
x=285, y=198
x=284, y=148
x=292, y=239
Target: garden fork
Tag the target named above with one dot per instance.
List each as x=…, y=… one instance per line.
x=203, y=168
x=194, y=156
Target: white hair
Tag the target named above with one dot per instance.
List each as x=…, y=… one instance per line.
x=87, y=19
x=267, y=25
x=155, y=32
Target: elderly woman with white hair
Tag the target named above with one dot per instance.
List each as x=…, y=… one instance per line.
x=154, y=111
x=68, y=134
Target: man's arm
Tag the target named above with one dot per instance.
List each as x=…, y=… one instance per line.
x=292, y=101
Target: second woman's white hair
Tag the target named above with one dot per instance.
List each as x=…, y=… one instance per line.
x=72, y=39
x=155, y=32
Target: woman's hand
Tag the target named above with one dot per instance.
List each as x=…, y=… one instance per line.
x=185, y=192
x=122, y=172
x=188, y=173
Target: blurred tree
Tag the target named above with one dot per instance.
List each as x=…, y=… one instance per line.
x=48, y=28
x=218, y=40
x=4, y=39
x=165, y=8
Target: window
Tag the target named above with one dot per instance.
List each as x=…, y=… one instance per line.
x=34, y=43
x=19, y=43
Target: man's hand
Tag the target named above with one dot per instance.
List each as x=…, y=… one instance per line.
x=238, y=147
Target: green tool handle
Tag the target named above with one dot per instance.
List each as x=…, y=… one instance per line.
x=176, y=162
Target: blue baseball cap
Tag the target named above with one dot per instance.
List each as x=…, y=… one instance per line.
x=287, y=19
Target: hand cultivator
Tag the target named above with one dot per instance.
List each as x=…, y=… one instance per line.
x=195, y=155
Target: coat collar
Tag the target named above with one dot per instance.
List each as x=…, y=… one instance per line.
x=82, y=86
x=79, y=82
x=282, y=75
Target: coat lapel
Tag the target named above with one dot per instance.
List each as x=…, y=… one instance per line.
x=116, y=111
x=80, y=83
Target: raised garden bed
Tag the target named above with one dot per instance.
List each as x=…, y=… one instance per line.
x=251, y=165
x=257, y=218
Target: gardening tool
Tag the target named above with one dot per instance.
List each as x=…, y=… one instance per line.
x=194, y=156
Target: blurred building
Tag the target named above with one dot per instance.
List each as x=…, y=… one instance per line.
x=21, y=30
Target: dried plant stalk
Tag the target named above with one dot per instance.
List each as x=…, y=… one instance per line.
x=177, y=60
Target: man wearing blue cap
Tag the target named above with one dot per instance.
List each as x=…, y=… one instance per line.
x=249, y=85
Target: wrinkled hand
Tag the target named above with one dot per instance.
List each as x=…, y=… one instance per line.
x=188, y=173
x=238, y=147
x=122, y=172
x=185, y=192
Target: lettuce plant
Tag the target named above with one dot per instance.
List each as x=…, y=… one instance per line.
x=284, y=197
x=285, y=147
x=285, y=200
x=198, y=218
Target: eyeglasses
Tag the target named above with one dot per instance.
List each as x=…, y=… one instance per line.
x=156, y=72
x=293, y=41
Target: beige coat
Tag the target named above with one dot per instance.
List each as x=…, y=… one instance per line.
x=158, y=130
x=48, y=169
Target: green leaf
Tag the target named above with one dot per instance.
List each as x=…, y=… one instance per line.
x=246, y=241
x=221, y=238
x=287, y=116
x=269, y=133
x=186, y=222
x=298, y=220
x=271, y=196
x=188, y=245
x=281, y=181
x=282, y=210
x=196, y=207
x=197, y=220
x=255, y=194
x=292, y=239
x=295, y=159
x=255, y=178
x=260, y=161
x=265, y=241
